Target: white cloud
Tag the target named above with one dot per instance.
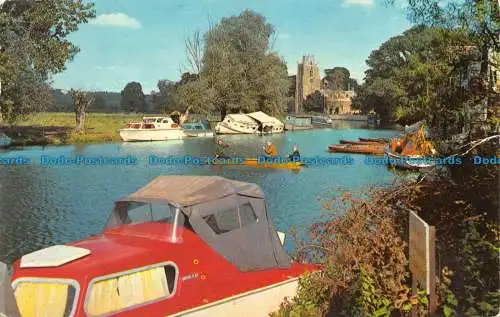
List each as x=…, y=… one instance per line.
x=363, y=3
x=118, y=20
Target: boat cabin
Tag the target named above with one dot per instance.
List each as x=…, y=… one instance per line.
x=178, y=244
x=153, y=123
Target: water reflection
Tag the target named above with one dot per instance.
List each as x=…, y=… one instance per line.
x=40, y=206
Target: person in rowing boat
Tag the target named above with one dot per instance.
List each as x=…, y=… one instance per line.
x=295, y=156
x=399, y=147
x=219, y=150
x=270, y=149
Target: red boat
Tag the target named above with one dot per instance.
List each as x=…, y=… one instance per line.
x=180, y=246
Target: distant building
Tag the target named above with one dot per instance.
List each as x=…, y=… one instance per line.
x=308, y=82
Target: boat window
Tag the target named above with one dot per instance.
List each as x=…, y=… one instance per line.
x=143, y=212
x=32, y=296
x=229, y=220
x=158, y=120
x=165, y=121
x=124, y=290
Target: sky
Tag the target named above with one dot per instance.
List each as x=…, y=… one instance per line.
x=133, y=40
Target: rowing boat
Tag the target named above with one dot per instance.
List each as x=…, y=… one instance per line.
x=376, y=140
x=410, y=162
x=359, y=142
x=374, y=149
x=254, y=162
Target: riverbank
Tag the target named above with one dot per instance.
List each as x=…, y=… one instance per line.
x=58, y=128
x=370, y=277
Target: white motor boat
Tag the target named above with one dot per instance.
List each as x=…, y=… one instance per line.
x=237, y=124
x=252, y=123
x=152, y=129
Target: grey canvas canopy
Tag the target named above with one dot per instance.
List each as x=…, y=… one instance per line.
x=230, y=216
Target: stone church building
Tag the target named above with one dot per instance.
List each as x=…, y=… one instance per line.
x=308, y=82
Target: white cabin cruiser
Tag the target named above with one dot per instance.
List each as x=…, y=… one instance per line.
x=252, y=123
x=152, y=129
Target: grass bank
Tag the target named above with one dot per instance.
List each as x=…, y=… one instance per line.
x=58, y=128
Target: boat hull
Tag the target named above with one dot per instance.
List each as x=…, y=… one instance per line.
x=256, y=303
x=359, y=142
x=223, y=128
x=373, y=149
x=253, y=162
x=131, y=135
x=381, y=140
x=207, y=134
x=408, y=163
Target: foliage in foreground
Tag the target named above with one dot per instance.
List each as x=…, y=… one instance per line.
x=364, y=257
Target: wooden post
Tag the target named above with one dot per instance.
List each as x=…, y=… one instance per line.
x=423, y=259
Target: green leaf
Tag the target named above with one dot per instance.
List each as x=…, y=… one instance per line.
x=381, y=312
x=448, y=311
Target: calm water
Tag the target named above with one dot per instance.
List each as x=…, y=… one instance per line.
x=41, y=206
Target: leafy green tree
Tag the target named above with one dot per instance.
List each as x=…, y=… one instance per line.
x=411, y=77
x=34, y=45
x=477, y=21
x=338, y=78
x=165, y=99
x=99, y=104
x=133, y=99
x=239, y=67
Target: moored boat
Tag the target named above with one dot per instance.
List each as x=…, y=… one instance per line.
x=180, y=246
x=152, y=129
x=377, y=140
x=358, y=142
x=321, y=122
x=251, y=123
x=5, y=141
x=410, y=162
x=256, y=163
x=197, y=129
x=373, y=149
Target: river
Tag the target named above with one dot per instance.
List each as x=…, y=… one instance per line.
x=41, y=206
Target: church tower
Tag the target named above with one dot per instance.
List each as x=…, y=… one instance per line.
x=308, y=80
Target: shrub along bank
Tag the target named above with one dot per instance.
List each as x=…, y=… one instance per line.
x=364, y=254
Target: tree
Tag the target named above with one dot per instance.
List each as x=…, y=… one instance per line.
x=315, y=102
x=239, y=67
x=194, y=52
x=164, y=100
x=34, y=45
x=133, y=99
x=338, y=78
x=99, y=103
x=478, y=21
x=409, y=79
x=82, y=100
x=196, y=95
